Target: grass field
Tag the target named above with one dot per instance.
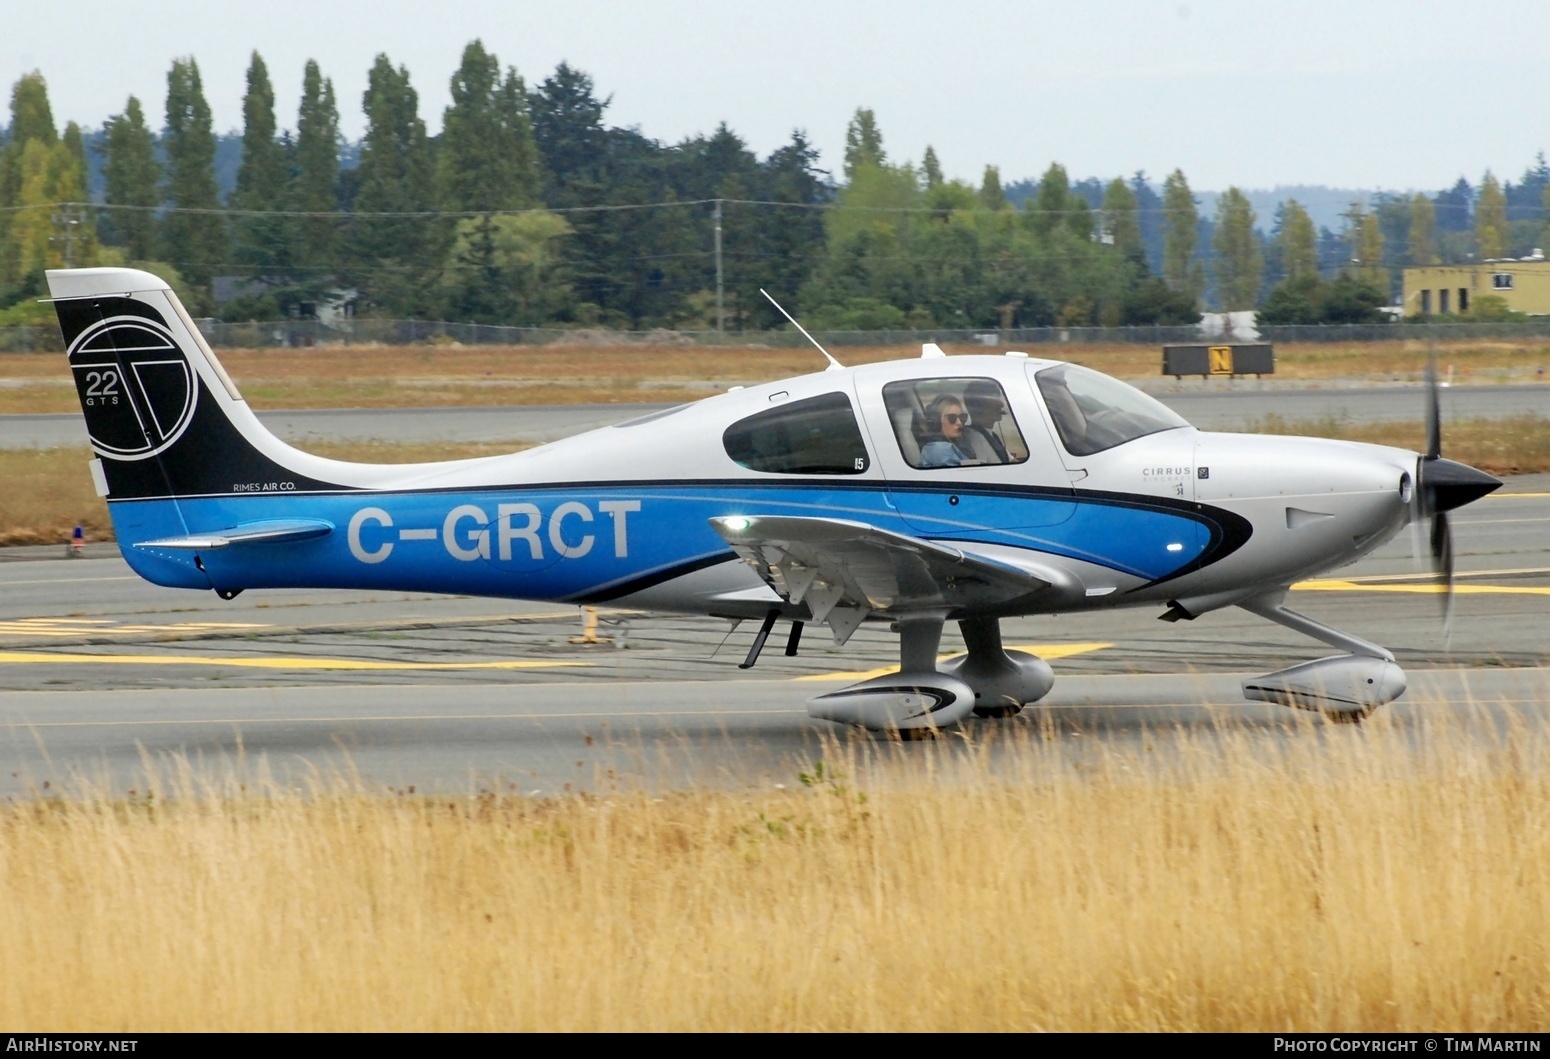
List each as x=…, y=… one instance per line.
x=48, y=491
x=399, y=376
x=1373, y=879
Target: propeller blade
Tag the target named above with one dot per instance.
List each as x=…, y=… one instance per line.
x=1442, y=563
x=1433, y=411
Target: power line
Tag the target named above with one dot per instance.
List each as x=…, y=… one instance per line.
x=836, y=207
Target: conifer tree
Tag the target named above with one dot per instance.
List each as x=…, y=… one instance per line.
x=1238, y=260
x=863, y=143
x=1180, y=233
x=193, y=242
x=1122, y=221
x=1298, y=244
x=1367, y=248
x=262, y=243
x=932, y=168
x=1491, y=234
x=1421, y=246
x=31, y=119
x=75, y=143
x=488, y=160
x=991, y=196
x=395, y=176
x=317, y=171
x=133, y=178
x=1050, y=205
x=261, y=177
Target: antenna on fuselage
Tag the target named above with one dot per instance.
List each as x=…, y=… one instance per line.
x=834, y=365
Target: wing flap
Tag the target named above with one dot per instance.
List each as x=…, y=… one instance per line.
x=840, y=568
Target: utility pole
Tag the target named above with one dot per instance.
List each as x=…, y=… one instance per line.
x=66, y=222
x=721, y=316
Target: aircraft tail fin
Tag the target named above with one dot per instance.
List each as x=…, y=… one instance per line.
x=164, y=418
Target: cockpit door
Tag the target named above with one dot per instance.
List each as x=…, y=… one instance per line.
x=964, y=450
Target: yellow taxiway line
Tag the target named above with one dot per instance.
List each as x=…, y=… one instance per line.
x=57, y=658
x=1046, y=651
x=1425, y=590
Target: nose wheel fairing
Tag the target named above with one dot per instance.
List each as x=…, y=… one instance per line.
x=1346, y=686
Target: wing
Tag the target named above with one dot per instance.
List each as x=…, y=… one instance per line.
x=847, y=571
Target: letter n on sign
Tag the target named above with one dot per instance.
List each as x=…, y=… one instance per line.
x=1221, y=360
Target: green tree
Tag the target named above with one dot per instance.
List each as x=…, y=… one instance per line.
x=508, y=269
x=991, y=195
x=262, y=243
x=395, y=176
x=1051, y=203
x=316, y=174
x=1122, y=221
x=1297, y=243
x=1367, y=249
x=1491, y=232
x=31, y=119
x=1238, y=260
x=48, y=174
x=133, y=178
x=863, y=143
x=1180, y=233
x=75, y=143
x=193, y=242
x=933, y=169
x=488, y=159
x=1421, y=247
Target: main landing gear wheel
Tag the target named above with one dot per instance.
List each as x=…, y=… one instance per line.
x=920, y=700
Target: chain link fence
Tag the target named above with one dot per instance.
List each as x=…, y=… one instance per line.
x=305, y=333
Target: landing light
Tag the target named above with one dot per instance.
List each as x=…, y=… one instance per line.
x=737, y=523
x=1175, y=547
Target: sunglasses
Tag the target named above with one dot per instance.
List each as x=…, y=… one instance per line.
x=956, y=418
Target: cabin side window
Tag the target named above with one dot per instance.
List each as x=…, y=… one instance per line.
x=818, y=435
x=953, y=423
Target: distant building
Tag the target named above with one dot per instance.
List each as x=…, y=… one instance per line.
x=1524, y=283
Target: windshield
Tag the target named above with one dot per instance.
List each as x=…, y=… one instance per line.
x=1093, y=412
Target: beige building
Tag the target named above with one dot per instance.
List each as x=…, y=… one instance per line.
x=1432, y=290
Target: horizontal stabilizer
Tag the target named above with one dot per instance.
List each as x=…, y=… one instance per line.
x=275, y=531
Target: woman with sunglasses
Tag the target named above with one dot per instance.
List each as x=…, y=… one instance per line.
x=945, y=443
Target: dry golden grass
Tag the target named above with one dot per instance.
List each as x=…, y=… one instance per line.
x=1517, y=445
x=1380, y=879
x=47, y=492
x=405, y=376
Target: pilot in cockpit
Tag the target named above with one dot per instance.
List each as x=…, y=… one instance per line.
x=986, y=407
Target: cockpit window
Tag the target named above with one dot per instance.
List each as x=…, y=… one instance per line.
x=1093, y=412
x=953, y=423
x=818, y=435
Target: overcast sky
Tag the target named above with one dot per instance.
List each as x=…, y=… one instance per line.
x=1375, y=93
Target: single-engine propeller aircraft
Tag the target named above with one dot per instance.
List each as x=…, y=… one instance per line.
x=914, y=492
